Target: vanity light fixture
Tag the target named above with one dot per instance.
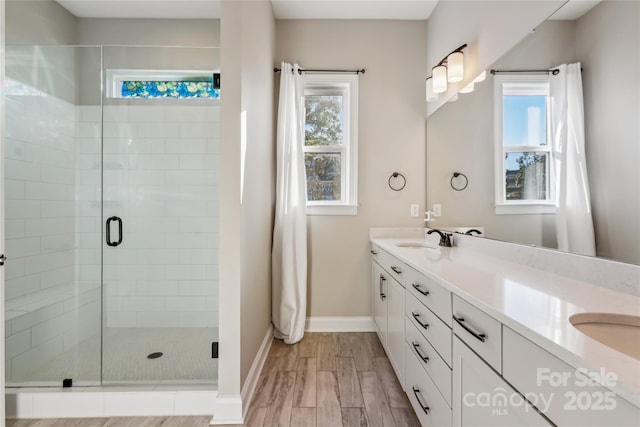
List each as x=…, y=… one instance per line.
x=455, y=67
x=439, y=76
x=430, y=95
x=468, y=88
x=449, y=70
x=481, y=77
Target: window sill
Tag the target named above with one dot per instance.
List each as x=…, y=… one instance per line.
x=525, y=209
x=332, y=210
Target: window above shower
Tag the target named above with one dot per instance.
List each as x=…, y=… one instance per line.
x=175, y=84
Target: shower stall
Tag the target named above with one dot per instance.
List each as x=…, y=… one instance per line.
x=111, y=205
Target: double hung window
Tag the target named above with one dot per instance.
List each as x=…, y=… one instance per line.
x=524, y=174
x=330, y=143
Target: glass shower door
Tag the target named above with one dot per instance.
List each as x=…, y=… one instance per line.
x=160, y=220
x=53, y=226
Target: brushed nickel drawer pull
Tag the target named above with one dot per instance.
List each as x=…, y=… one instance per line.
x=478, y=335
x=416, y=347
x=415, y=316
x=419, y=289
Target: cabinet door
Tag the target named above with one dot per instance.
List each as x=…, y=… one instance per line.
x=379, y=281
x=482, y=398
x=395, y=327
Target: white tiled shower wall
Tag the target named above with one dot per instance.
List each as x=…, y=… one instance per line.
x=160, y=177
x=47, y=312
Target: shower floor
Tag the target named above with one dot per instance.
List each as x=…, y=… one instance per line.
x=186, y=358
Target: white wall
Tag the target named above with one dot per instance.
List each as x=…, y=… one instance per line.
x=609, y=34
x=39, y=22
x=460, y=137
x=391, y=135
x=258, y=179
x=160, y=177
x=149, y=32
x=47, y=312
x=247, y=31
x=490, y=28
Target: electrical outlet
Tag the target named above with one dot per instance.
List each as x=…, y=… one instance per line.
x=415, y=210
x=437, y=209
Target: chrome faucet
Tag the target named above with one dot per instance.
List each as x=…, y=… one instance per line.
x=445, y=238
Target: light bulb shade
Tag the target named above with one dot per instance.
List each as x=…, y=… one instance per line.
x=467, y=89
x=481, y=77
x=455, y=67
x=439, y=77
x=429, y=91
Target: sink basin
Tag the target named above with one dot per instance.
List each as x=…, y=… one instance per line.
x=413, y=245
x=618, y=331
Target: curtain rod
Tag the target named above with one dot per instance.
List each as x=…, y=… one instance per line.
x=553, y=71
x=305, y=70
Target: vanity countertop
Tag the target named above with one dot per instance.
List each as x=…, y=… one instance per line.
x=535, y=303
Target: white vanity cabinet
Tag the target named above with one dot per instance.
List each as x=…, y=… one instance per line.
x=379, y=286
x=459, y=366
x=482, y=398
x=388, y=306
x=566, y=395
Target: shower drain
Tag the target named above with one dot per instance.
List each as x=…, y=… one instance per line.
x=154, y=355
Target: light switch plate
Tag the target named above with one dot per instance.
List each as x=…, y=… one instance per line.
x=415, y=210
x=437, y=209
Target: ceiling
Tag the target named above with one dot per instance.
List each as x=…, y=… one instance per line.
x=353, y=9
x=282, y=9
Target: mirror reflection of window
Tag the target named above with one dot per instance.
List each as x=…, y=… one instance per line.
x=523, y=173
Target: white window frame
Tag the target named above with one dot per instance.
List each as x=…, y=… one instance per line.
x=520, y=85
x=347, y=87
x=116, y=77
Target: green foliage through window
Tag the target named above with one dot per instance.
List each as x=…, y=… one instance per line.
x=323, y=128
x=169, y=89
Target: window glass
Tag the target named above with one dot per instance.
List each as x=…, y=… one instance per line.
x=524, y=120
x=323, y=120
x=168, y=89
x=526, y=175
x=323, y=175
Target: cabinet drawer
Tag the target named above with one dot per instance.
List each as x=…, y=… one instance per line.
x=559, y=391
x=427, y=402
x=430, y=293
x=430, y=326
x=375, y=252
x=482, y=398
x=392, y=265
x=439, y=372
x=479, y=331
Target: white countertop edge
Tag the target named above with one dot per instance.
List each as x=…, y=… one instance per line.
x=626, y=391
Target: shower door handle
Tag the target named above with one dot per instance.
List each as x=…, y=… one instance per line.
x=109, y=242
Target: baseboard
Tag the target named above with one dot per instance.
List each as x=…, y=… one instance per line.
x=251, y=382
x=228, y=410
x=340, y=324
x=106, y=402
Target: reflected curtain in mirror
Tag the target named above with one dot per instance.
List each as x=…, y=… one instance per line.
x=574, y=224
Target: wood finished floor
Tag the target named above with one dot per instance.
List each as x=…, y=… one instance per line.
x=325, y=380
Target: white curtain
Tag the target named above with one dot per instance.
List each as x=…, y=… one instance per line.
x=289, y=252
x=574, y=224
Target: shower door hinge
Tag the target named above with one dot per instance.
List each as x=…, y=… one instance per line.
x=67, y=382
x=214, y=350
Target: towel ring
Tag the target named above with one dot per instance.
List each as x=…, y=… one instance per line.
x=459, y=187
x=397, y=187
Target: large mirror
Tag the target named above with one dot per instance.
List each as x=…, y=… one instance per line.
x=460, y=135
